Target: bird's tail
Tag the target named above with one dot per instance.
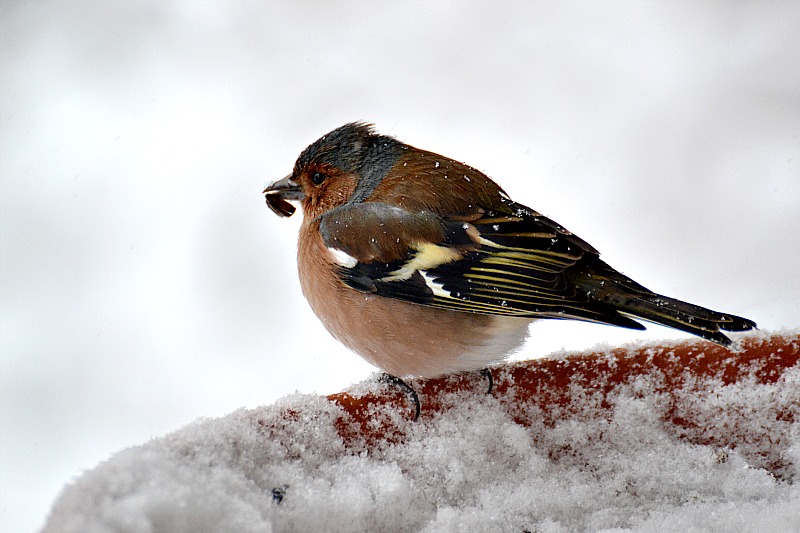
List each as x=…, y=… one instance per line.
x=631, y=299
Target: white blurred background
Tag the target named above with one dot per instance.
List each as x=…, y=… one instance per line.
x=144, y=282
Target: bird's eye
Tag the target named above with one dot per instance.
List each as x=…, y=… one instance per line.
x=318, y=177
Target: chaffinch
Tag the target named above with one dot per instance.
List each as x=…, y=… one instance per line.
x=424, y=266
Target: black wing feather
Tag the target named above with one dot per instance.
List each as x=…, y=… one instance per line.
x=515, y=263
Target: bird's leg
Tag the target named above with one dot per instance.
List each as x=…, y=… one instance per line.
x=487, y=373
x=394, y=380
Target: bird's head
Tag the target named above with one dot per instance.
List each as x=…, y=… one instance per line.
x=345, y=165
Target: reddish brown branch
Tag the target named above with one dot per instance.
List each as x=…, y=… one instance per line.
x=551, y=388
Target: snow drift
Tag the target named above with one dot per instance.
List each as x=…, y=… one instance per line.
x=687, y=436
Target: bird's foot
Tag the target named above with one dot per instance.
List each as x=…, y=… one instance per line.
x=408, y=389
x=487, y=373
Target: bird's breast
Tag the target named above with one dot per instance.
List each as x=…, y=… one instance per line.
x=401, y=338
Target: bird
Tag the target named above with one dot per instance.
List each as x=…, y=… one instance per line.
x=424, y=266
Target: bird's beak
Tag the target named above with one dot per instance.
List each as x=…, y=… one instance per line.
x=279, y=192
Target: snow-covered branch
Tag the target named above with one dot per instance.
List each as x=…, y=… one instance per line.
x=644, y=438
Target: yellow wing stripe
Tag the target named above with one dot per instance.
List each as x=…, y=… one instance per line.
x=495, y=274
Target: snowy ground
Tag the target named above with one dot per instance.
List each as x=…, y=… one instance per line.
x=144, y=283
x=638, y=454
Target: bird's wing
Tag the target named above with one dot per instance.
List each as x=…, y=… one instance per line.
x=512, y=263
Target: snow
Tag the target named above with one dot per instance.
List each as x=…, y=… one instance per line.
x=713, y=454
